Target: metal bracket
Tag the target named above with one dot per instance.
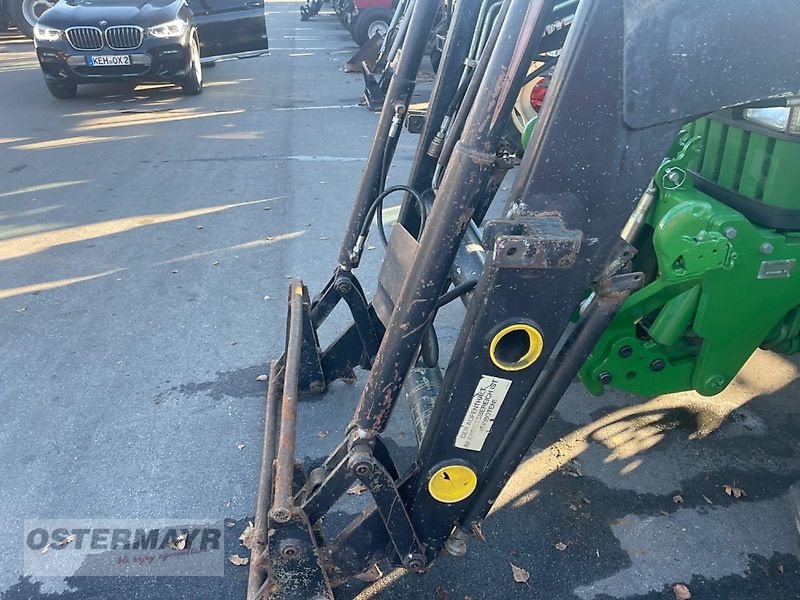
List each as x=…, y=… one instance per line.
x=533, y=242
x=295, y=572
x=390, y=506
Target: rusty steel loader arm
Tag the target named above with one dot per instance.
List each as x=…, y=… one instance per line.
x=540, y=283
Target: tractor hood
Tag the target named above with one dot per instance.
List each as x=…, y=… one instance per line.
x=145, y=13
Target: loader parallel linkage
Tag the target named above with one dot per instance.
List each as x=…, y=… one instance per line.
x=541, y=283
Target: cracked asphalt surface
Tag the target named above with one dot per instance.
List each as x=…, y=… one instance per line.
x=146, y=241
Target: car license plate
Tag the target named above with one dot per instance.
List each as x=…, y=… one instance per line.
x=108, y=61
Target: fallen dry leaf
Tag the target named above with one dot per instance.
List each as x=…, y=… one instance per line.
x=67, y=540
x=21, y=310
x=477, y=530
x=262, y=377
x=707, y=499
x=357, y=489
x=240, y=446
x=248, y=537
x=578, y=502
x=238, y=560
x=677, y=499
x=322, y=434
x=179, y=543
x=780, y=569
x=681, y=592
x=215, y=263
x=267, y=297
x=230, y=524
x=560, y=546
x=733, y=490
x=520, y=574
x=572, y=468
x=442, y=594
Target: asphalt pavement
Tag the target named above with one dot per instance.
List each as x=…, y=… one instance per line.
x=146, y=244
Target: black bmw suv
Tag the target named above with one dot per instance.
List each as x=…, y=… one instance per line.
x=96, y=41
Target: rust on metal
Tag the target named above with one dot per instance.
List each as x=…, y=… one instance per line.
x=284, y=465
x=258, y=559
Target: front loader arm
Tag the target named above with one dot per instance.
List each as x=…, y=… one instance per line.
x=565, y=240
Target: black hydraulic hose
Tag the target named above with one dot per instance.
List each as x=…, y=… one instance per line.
x=421, y=206
x=539, y=70
x=456, y=292
x=388, y=155
x=377, y=204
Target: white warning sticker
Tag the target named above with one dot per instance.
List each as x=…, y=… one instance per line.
x=486, y=402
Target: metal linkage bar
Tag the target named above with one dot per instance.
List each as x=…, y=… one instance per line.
x=285, y=556
x=258, y=557
x=467, y=173
x=283, y=502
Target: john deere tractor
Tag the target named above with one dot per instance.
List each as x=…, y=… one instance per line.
x=719, y=256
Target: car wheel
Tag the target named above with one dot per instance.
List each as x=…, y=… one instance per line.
x=369, y=23
x=62, y=90
x=193, y=83
x=25, y=13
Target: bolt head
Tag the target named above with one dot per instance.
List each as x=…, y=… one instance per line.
x=605, y=378
x=730, y=232
x=414, y=562
x=343, y=286
x=280, y=515
x=657, y=365
x=362, y=469
x=290, y=548
x=625, y=351
x=766, y=248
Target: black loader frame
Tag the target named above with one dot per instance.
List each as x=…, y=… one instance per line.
x=540, y=283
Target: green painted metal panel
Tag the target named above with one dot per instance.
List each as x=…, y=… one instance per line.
x=730, y=171
x=782, y=186
x=756, y=163
x=714, y=145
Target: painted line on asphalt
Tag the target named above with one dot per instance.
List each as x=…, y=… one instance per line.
x=330, y=107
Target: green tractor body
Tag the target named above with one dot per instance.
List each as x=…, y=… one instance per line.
x=724, y=240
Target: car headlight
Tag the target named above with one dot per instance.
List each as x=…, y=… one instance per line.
x=785, y=119
x=169, y=29
x=43, y=33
